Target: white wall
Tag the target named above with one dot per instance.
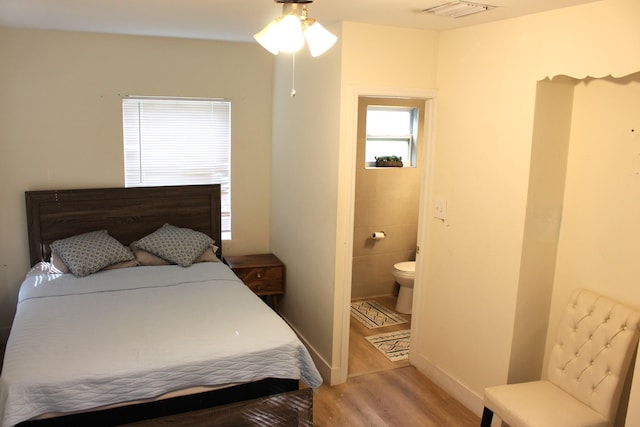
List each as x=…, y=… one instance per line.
x=61, y=123
x=487, y=78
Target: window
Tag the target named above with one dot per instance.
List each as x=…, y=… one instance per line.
x=179, y=141
x=391, y=131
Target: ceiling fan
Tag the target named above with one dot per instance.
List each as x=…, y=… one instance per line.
x=289, y=31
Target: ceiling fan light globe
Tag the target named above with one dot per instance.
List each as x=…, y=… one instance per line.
x=319, y=39
x=268, y=37
x=290, y=34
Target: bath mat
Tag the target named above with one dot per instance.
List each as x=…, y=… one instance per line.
x=394, y=345
x=372, y=314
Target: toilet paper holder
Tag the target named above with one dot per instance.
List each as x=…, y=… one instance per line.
x=377, y=235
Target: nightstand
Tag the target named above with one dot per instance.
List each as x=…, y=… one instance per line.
x=264, y=274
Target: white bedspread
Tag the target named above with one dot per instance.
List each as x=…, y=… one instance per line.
x=137, y=333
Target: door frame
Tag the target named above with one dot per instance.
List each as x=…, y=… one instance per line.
x=343, y=301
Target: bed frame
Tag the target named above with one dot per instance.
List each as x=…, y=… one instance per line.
x=129, y=214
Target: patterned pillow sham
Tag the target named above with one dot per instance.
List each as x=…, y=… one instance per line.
x=88, y=253
x=145, y=258
x=123, y=264
x=209, y=255
x=57, y=266
x=180, y=246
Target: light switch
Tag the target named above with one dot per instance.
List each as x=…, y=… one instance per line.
x=440, y=209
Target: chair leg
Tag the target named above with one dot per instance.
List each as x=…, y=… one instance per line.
x=487, y=416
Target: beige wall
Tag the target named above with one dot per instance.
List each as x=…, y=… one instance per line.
x=547, y=171
x=600, y=229
x=313, y=154
x=61, y=123
x=487, y=78
x=386, y=199
x=411, y=56
x=303, y=201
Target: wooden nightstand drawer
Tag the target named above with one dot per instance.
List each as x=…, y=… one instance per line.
x=264, y=274
x=262, y=280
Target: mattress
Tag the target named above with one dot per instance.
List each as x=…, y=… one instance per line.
x=138, y=333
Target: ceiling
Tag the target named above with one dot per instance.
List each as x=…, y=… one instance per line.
x=238, y=20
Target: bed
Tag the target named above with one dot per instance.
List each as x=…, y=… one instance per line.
x=120, y=345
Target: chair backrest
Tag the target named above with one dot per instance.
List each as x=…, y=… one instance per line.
x=596, y=340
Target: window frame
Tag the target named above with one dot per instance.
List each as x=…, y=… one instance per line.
x=410, y=138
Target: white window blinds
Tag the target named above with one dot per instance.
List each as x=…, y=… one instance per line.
x=179, y=141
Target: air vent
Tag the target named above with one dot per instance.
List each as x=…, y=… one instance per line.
x=458, y=9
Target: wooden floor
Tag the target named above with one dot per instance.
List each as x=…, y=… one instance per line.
x=398, y=397
x=364, y=358
x=384, y=393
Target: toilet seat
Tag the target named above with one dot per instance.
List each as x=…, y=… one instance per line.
x=407, y=267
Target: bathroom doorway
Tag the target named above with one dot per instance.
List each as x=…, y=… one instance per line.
x=386, y=202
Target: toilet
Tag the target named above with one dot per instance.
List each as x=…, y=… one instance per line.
x=404, y=273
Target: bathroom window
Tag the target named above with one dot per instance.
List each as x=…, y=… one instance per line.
x=391, y=131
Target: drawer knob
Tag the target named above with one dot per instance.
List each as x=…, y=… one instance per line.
x=259, y=275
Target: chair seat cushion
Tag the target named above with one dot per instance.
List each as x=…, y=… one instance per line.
x=539, y=404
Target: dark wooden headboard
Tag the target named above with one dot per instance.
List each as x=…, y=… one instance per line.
x=126, y=213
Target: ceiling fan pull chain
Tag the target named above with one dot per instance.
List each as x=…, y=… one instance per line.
x=293, y=75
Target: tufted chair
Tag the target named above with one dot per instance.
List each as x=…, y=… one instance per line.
x=587, y=368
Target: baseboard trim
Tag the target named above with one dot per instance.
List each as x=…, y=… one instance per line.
x=459, y=392
x=326, y=372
